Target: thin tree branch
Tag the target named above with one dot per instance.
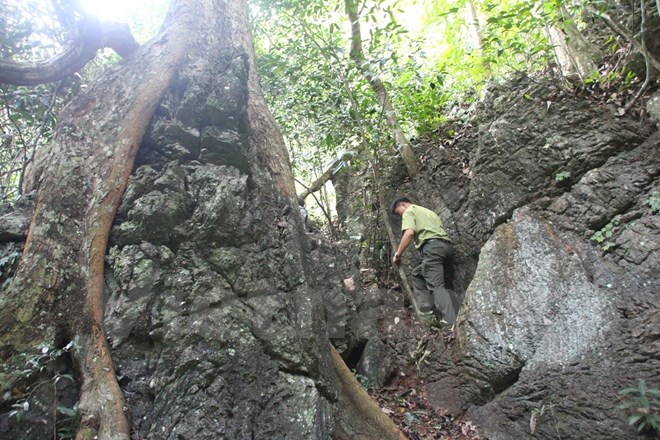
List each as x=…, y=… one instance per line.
x=383, y=97
x=9, y=172
x=621, y=31
x=28, y=145
x=320, y=205
x=32, y=145
x=5, y=101
x=646, y=54
x=33, y=141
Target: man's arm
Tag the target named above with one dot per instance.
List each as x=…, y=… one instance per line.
x=405, y=241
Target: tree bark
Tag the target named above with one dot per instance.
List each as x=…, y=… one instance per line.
x=79, y=180
x=92, y=36
x=574, y=53
x=262, y=127
x=475, y=30
x=357, y=55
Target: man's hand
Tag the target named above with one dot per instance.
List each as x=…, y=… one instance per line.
x=396, y=259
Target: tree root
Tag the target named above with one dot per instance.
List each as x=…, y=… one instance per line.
x=101, y=400
x=359, y=417
x=79, y=181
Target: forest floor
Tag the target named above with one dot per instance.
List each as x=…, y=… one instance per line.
x=406, y=404
x=404, y=400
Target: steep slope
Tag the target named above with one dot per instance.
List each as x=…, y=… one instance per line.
x=548, y=198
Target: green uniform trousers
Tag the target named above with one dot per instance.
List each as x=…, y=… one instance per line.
x=429, y=281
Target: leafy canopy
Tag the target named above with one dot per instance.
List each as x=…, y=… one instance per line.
x=425, y=51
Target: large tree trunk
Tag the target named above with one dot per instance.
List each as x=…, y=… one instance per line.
x=201, y=70
x=575, y=55
x=78, y=182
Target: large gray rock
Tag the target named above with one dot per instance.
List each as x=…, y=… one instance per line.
x=528, y=139
x=213, y=313
x=218, y=316
x=550, y=323
x=363, y=323
x=551, y=202
x=562, y=311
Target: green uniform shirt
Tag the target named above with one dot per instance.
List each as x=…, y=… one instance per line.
x=425, y=223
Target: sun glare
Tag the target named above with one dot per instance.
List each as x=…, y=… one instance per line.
x=144, y=17
x=118, y=10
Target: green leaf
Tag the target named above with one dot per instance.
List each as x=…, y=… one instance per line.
x=609, y=245
x=628, y=391
x=642, y=387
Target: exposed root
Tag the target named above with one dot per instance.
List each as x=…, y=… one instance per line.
x=360, y=417
x=102, y=406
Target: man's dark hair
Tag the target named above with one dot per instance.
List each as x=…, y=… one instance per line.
x=397, y=202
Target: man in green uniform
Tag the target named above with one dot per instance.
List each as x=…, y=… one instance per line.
x=425, y=228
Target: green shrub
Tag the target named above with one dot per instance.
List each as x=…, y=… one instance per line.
x=645, y=405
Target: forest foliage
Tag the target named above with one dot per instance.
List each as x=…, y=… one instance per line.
x=433, y=56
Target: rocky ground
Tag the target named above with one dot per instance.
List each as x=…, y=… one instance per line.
x=403, y=396
x=405, y=401
x=551, y=205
